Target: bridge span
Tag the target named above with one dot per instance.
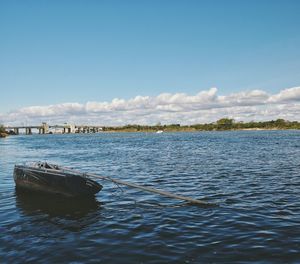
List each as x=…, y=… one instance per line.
x=44, y=128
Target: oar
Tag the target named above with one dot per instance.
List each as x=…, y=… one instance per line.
x=148, y=189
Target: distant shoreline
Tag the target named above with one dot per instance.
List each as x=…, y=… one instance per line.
x=224, y=124
x=194, y=130
x=4, y=135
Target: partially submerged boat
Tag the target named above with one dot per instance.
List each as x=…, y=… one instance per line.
x=53, y=179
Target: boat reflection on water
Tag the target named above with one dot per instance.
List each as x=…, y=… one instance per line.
x=52, y=208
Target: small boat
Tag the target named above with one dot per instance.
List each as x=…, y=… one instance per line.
x=53, y=179
x=159, y=131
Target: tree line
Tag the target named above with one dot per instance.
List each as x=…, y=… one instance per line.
x=220, y=125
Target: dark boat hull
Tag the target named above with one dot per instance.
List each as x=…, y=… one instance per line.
x=54, y=181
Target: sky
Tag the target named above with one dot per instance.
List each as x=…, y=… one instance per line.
x=144, y=62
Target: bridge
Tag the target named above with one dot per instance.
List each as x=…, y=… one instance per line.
x=44, y=128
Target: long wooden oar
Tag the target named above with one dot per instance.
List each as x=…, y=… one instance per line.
x=148, y=189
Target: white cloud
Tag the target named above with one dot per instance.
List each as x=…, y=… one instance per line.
x=286, y=95
x=205, y=106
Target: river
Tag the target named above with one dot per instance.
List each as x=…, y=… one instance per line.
x=252, y=176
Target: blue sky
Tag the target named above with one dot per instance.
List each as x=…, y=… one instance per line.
x=55, y=52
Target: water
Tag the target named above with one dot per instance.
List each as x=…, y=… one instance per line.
x=254, y=177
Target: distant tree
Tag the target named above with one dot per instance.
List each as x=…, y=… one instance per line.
x=225, y=123
x=2, y=130
x=280, y=123
x=3, y=133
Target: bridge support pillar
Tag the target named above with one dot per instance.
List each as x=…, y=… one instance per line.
x=44, y=128
x=16, y=131
x=28, y=131
x=66, y=130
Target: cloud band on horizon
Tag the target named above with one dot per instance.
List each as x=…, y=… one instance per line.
x=204, y=107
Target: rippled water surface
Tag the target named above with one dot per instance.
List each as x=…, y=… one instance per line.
x=253, y=176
